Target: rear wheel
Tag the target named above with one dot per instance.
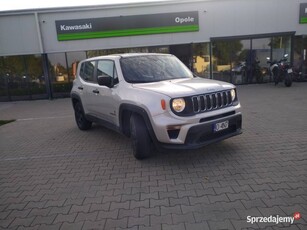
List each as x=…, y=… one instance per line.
x=80, y=118
x=259, y=77
x=141, y=141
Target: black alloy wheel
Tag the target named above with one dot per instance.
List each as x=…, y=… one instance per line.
x=141, y=141
x=80, y=118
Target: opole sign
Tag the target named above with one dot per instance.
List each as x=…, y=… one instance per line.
x=77, y=29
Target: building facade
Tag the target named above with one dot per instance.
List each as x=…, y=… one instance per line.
x=226, y=40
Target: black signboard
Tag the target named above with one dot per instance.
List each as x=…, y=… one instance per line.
x=76, y=29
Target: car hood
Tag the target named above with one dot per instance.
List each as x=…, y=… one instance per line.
x=185, y=87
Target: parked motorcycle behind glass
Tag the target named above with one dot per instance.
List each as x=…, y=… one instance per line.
x=281, y=71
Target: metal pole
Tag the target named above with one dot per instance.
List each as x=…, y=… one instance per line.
x=47, y=76
x=39, y=35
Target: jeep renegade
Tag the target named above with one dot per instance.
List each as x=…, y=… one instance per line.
x=155, y=100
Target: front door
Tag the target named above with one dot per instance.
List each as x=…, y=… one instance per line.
x=103, y=96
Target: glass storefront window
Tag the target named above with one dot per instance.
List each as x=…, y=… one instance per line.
x=304, y=57
x=239, y=61
x=22, y=78
x=280, y=47
x=300, y=58
x=73, y=59
x=201, y=59
x=34, y=72
x=58, y=74
x=95, y=53
x=17, y=80
x=184, y=53
x=3, y=81
x=4, y=76
x=159, y=49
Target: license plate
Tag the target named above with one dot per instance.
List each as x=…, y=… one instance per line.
x=290, y=71
x=220, y=126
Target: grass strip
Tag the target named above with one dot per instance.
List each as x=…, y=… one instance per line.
x=3, y=122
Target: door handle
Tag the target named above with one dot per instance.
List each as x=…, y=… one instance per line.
x=80, y=87
x=95, y=91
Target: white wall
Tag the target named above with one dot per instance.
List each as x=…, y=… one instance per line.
x=18, y=35
x=217, y=18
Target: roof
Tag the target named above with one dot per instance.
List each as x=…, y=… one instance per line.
x=125, y=55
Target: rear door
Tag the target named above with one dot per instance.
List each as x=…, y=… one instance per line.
x=87, y=85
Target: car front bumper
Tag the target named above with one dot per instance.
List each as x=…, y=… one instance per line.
x=194, y=135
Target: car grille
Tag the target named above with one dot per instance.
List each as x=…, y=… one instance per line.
x=212, y=101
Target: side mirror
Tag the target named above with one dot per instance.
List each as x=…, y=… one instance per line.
x=105, y=80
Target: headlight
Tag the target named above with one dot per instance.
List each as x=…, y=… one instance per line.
x=178, y=104
x=233, y=94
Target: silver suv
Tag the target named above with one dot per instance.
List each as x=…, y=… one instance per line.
x=156, y=100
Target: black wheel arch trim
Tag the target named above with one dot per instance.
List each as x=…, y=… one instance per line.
x=140, y=111
x=78, y=98
x=75, y=96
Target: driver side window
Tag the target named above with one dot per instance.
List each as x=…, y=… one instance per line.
x=107, y=68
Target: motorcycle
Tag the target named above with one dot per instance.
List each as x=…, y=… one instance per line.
x=299, y=76
x=257, y=72
x=248, y=72
x=281, y=71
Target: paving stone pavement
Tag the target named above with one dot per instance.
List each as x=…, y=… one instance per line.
x=54, y=176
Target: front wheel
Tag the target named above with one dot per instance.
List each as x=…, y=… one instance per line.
x=288, y=80
x=141, y=141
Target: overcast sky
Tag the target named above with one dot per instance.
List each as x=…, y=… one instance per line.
x=35, y=4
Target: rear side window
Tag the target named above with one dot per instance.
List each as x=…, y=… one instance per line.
x=87, y=71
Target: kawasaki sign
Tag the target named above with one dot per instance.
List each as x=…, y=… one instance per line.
x=303, y=13
x=76, y=29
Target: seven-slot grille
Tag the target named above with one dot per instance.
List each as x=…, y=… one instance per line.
x=207, y=102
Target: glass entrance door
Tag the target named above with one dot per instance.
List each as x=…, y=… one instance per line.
x=300, y=58
x=230, y=59
x=261, y=50
x=244, y=61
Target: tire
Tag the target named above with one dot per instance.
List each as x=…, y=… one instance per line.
x=288, y=80
x=275, y=75
x=141, y=141
x=259, y=77
x=80, y=118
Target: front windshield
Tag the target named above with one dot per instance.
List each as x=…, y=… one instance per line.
x=153, y=68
